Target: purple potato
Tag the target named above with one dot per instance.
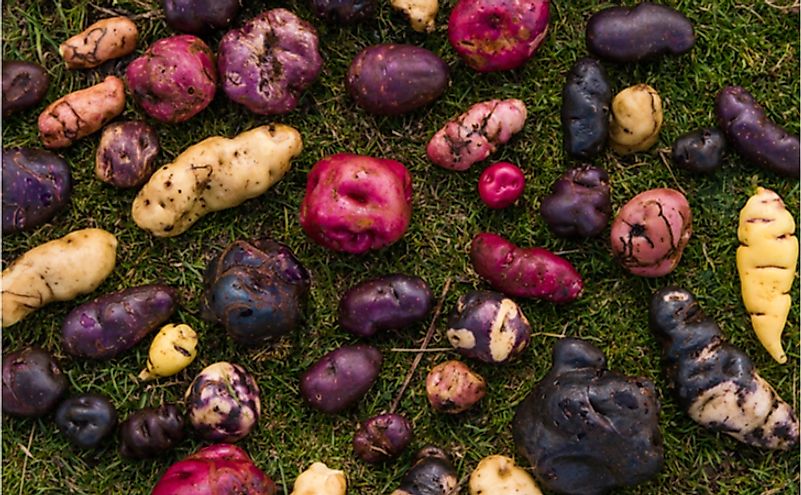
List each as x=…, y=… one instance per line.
x=86, y=419
x=382, y=438
x=487, y=326
x=586, y=99
x=579, y=204
x=699, y=151
x=269, y=62
x=199, y=16
x=431, y=474
x=754, y=136
x=36, y=185
x=632, y=34
x=343, y=11
x=151, y=432
x=341, y=377
x=24, y=85
x=256, y=290
x=392, y=79
x=453, y=388
x=126, y=156
x=32, y=382
x=223, y=403
x=115, y=322
x=391, y=302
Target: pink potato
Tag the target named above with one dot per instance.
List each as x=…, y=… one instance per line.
x=524, y=272
x=475, y=134
x=355, y=203
x=495, y=35
x=651, y=231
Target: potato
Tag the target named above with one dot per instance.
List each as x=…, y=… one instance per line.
x=341, y=377
x=636, y=119
x=126, y=156
x=104, y=40
x=343, y=11
x=151, y=432
x=700, y=151
x=57, y=271
x=431, y=474
x=588, y=430
x=81, y=113
x=498, y=475
x=586, y=99
x=320, y=480
x=199, y=16
x=173, y=349
x=421, y=13
x=24, y=85
x=86, y=419
x=37, y=184
x=626, y=34
x=579, y=204
x=754, y=136
x=214, y=174
x=453, y=388
x=501, y=184
x=382, y=438
x=33, y=383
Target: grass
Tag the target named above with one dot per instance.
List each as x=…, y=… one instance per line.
x=751, y=43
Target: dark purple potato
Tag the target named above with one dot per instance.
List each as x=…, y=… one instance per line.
x=24, y=85
x=86, y=419
x=267, y=63
x=115, y=322
x=382, y=438
x=126, y=156
x=754, y=136
x=431, y=474
x=394, y=79
x=647, y=31
x=587, y=430
x=32, y=382
x=385, y=303
x=586, y=99
x=341, y=377
x=256, y=290
x=579, y=203
x=453, y=388
x=700, y=151
x=199, y=16
x=151, y=432
x=343, y=11
x=36, y=185
x=487, y=326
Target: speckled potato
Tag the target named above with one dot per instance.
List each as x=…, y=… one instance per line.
x=343, y=11
x=57, y=271
x=340, y=378
x=382, y=438
x=699, y=151
x=452, y=387
x=24, y=85
x=579, y=204
x=431, y=474
x=200, y=16
x=33, y=383
x=126, y=156
x=320, y=480
x=214, y=174
x=421, y=13
x=104, y=40
x=86, y=419
x=636, y=119
x=586, y=102
x=498, y=475
x=151, y=432
x=173, y=349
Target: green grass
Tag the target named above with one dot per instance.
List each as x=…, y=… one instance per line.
x=742, y=42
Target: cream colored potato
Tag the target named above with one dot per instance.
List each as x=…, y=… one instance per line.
x=421, y=13
x=498, y=475
x=636, y=119
x=104, y=40
x=59, y=270
x=214, y=174
x=320, y=480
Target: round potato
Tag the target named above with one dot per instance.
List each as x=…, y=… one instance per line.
x=636, y=119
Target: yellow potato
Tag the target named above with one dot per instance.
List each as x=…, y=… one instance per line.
x=498, y=475
x=59, y=270
x=104, y=40
x=421, y=13
x=214, y=174
x=319, y=480
x=636, y=119
x=173, y=349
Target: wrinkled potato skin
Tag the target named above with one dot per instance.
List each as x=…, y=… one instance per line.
x=104, y=40
x=320, y=480
x=57, y=271
x=24, y=85
x=126, y=156
x=214, y=174
x=586, y=101
x=498, y=475
x=81, y=113
x=421, y=13
x=636, y=119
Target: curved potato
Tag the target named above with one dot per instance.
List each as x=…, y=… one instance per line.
x=104, y=40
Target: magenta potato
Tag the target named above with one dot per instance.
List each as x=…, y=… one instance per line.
x=431, y=474
x=86, y=419
x=754, y=136
x=199, y=16
x=624, y=34
x=495, y=35
x=699, y=151
x=115, y=322
x=452, y=387
x=150, y=432
x=340, y=378
x=343, y=11
x=126, y=156
x=391, y=302
x=24, y=85
x=579, y=203
x=32, y=382
x=356, y=203
x=501, y=184
x=382, y=438
x=219, y=469
x=37, y=184
x=586, y=103
x=267, y=63
x=392, y=79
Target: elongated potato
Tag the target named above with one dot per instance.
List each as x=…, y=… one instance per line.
x=59, y=270
x=214, y=174
x=104, y=40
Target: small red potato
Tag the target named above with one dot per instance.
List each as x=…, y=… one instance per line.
x=452, y=387
x=104, y=40
x=501, y=184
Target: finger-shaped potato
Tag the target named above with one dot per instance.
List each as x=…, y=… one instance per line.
x=104, y=40
x=173, y=349
x=636, y=119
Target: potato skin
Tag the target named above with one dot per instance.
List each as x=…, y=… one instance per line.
x=647, y=31
x=501, y=184
x=199, y=16
x=579, y=204
x=24, y=85
x=754, y=136
x=115, y=322
x=32, y=382
x=586, y=102
x=341, y=377
x=421, y=13
x=57, y=271
x=699, y=151
x=37, y=184
x=392, y=79
x=382, y=438
x=636, y=119
x=104, y=40
x=453, y=388
x=431, y=474
x=81, y=113
x=214, y=174
x=320, y=480
x=86, y=419
x=150, y=432
x=497, y=474
x=126, y=156
x=343, y=11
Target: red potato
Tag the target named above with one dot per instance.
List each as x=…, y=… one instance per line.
x=501, y=184
x=452, y=387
